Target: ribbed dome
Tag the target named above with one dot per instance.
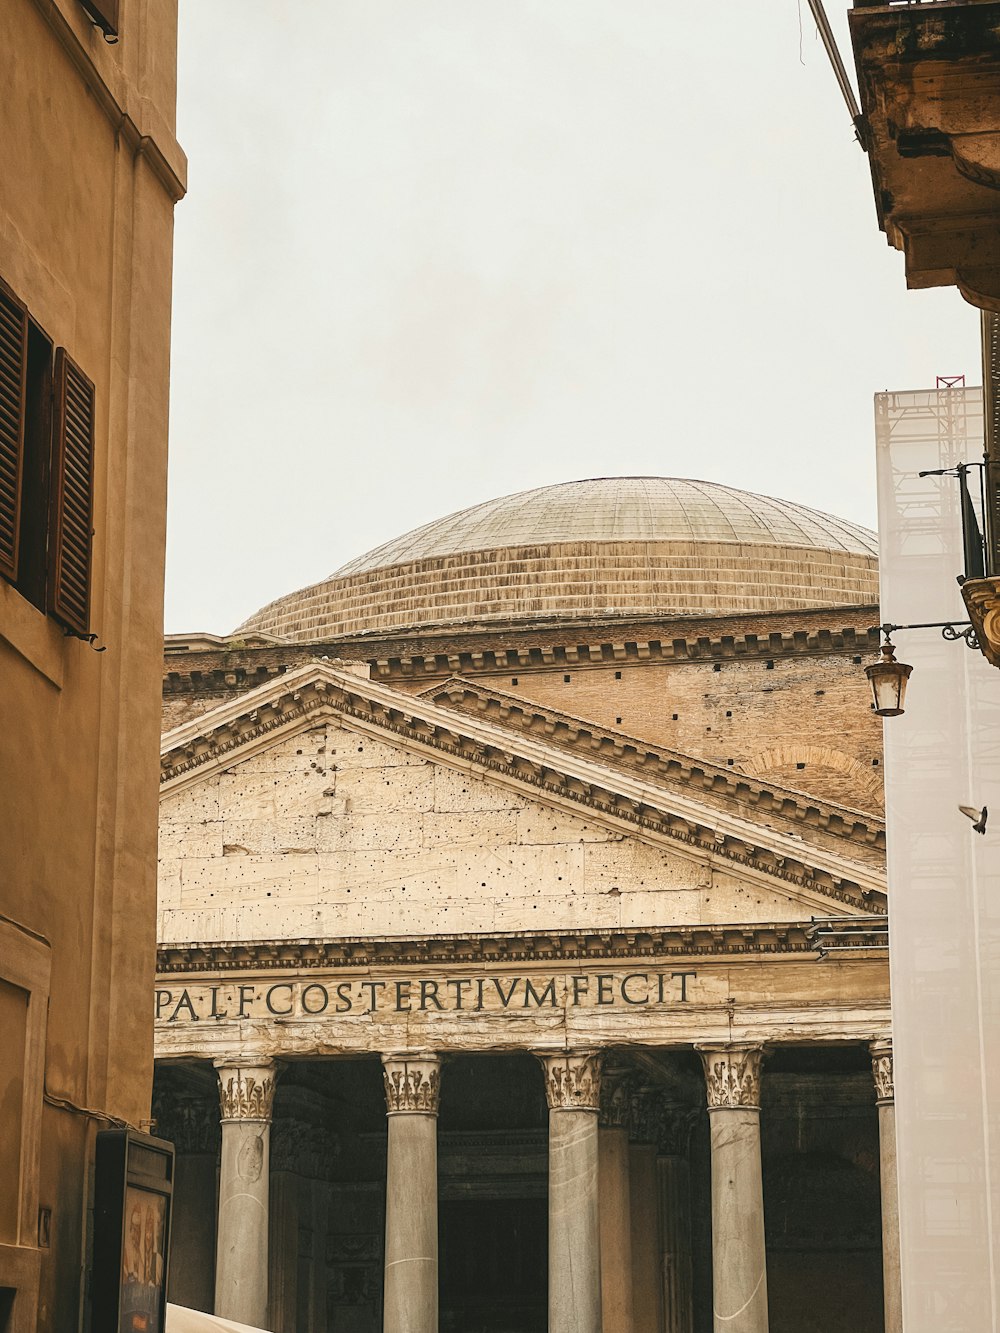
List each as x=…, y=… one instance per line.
x=621, y=509
x=609, y=546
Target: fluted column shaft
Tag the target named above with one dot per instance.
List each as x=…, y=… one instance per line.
x=572, y=1087
x=885, y=1100
x=412, y=1088
x=246, y=1093
x=739, y=1267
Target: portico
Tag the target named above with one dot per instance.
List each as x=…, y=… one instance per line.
x=404, y=1110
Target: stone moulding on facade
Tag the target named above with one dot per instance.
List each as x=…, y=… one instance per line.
x=606, y=792
x=246, y=1091
x=732, y=1076
x=858, y=936
x=398, y=659
x=572, y=1080
x=412, y=1083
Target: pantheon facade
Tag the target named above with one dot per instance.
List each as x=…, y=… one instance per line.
x=523, y=935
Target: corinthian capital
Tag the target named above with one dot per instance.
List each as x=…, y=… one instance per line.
x=673, y=1123
x=246, y=1089
x=882, y=1071
x=616, y=1099
x=572, y=1080
x=412, y=1083
x=732, y=1076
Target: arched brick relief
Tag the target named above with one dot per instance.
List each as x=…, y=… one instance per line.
x=828, y=773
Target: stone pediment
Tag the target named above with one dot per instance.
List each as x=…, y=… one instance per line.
x=823, y=823
x=767, y=849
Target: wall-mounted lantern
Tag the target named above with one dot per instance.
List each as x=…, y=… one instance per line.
x=888, y=678
x=888, y=681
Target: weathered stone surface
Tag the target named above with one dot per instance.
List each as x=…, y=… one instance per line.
x=322, y=847
x=246, y=1095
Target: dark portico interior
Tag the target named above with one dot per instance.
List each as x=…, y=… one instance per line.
x=327, y=1199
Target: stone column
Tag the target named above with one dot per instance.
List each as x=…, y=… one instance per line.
x=246, y=1093
x=412, y=1086
x=191, y=1123
x=739, y=1269
x=673, y=1179
x=616, y=1208
x=885, y=1100
x=646, y=1293
x=573, y=1088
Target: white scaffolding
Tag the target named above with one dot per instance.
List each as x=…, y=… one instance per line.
x=944, y=879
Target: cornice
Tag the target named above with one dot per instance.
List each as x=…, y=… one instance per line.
x=151, y=139
x=245, y=725
x=464, y=651
x=862, y=937
x=672, y=767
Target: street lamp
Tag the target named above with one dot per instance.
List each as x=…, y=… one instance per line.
x=888, y=681
x=888, y=678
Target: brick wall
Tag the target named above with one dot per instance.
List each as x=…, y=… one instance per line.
x=783, y=696
x=804, y=721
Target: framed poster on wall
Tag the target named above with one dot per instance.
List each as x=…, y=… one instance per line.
x=133, y=1186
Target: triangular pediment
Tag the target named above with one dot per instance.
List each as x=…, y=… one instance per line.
x=824, y=823
x=359, y=789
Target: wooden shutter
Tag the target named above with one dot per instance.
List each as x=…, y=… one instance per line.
x=13, y=369
x=72, y=496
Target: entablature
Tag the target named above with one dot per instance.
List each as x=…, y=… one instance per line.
x=196, y=665
x=638, y=989
x=818, y=936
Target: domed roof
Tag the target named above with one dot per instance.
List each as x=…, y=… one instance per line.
x=599, y=548
x=621, y=509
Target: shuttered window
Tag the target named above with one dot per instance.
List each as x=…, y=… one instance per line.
x=13, y=368
x=70, y=532
x=46, y=469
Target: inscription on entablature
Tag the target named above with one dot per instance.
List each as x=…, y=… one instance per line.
x=314, y=998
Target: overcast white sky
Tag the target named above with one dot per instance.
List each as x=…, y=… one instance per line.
x=435, y=251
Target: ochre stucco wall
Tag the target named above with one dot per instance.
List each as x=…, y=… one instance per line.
x=89, y=173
